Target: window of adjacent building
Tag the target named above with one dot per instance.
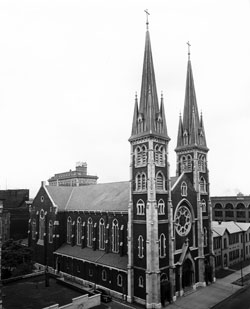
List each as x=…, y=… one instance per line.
x=50, y=231
x=140, y=207
x=69, y=230
x=90, y=233
x=79, y=231
x=33, y=229
x=101, y=234
x=41, y=225
x=229, y=210
x=141, y=282
x=115, y=236
x=90, y=272
x=203, y=185
x=162, y=245
x=160, y=183
x=104, y=275
x=183, y=189
x=119, y=280
x=140, y=247
x=161, y=207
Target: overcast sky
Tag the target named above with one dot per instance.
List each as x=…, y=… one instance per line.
x=69, y=71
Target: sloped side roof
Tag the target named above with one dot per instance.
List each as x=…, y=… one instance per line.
x=244, y=226
x=105, y=197
x=231, y=226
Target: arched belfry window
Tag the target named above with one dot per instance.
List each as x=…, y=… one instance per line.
x=141, y=182
x=79, y=231
x=140, y=247
x=41, y=225
x=115, y=236
x=101, y=234
x=137, y=156
x=162, y=245
x=69, y=230
x=90, y=233
x=160, y=181
x=161, y=207
x=144, y=155
x=203, y=185
x=183, y=189
x=189, y=163
x=140, y=207
x=159, y=155
x=183, y=163
x=202, y=163
x=140, y=156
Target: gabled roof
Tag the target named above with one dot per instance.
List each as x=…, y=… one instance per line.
x=103, y=197
x=230, y=226
x=244, y=226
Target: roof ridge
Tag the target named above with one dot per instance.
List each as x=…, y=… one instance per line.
x=69, y=198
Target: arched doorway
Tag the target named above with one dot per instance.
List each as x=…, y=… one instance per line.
x=187, y=273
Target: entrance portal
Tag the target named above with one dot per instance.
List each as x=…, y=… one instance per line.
x=187, y=273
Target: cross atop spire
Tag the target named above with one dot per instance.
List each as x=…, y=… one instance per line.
x=188, y=50
x=147, y=13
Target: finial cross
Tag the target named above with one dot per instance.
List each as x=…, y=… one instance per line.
x=188, y=49
x=147, y=13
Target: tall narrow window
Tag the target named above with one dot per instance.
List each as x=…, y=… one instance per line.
x=203, y=205
x=137, y=156
x=104, y=275
x=162, y=246
x=50, y=232
x=189, y=163
x=201, y=163
x=69, y=230
x=101, y=234
x=33, y=229
x=144, y=155
x=90, y=233
x=161, y=207
x=115, y=236
x=119, y=280
x=141, y=282
x=138, y=182
x=79, y=231
x=159, y=181
x=203, y=185
x=140, y=207
x=183, y=164
x=185, y=137
x=41, y=225
x=183, y=189
x=140, y=247
x=143, y=182
x=205, y=236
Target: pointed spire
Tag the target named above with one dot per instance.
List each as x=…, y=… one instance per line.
x=162, y=114
x=134, y=125
x=180, y=133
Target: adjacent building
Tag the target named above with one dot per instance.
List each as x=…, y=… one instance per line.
x=78, y=177
x=146, y=237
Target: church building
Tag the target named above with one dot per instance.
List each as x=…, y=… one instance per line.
x=143, y=239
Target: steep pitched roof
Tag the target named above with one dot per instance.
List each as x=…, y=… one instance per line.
x=104, y=197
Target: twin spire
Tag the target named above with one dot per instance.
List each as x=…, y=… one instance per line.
x=149, y=118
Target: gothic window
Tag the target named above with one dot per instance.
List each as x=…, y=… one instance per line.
x=140, y=156
x=203, y=185
x=185, y=137
x=137, y=156
x=201, y=163
x=205, y=236
x=115, y=236
x=50, y=232
x=140, y=207
x=33, y=229
x=41, y=225
x=140, y=182
x=203, y=205
x=90, y=233
x=101, y=234
x=69, y=230
x=143, y=182
x=144, y=155
x=189, y=163
x=79, y=231
x=162, y=246
x=159, y=155
x=140, y=247
x=183, y=220
x=119, y=280
x=141, y=283
x=161, y=207
x=160, y=181
x=183, y=189
x=104, y=275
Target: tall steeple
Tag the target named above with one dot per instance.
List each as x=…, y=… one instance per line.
x=192, y=132
x=150, y=118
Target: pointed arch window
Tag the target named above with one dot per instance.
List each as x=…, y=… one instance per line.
x=90, y=233
x=119, y=280
x=50, y=232
x=183, y=189
x=140, y=247
x=101, y=234
x=41, y=225
x=79, y=231
x=161, y=207
x=115, y=236
x=202, y=163
x=141, y=182
x=141, y=282
x=144, y=155
x=159, y=155
x=69, y=230
x=183, y=163
x=160, y=181
x=140, y=156
x=204, y=206
x=162, y=246
x=137, y=156
x=189, y=163
x=140, y=207
x=205, y=236
x=33, y=229
x=203, y=185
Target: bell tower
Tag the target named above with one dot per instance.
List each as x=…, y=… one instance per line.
x=149, y=189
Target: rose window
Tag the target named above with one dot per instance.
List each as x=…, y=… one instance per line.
x=183, y=220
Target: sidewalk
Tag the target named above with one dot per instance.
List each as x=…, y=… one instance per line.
x=204, y=298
